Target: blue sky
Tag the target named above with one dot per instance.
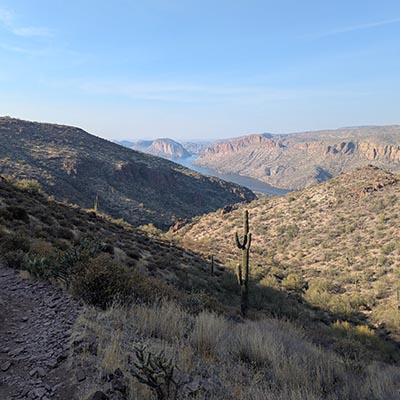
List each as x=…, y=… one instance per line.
x=200, y=69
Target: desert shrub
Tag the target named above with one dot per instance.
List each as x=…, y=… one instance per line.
x=270, y=281
x=151, y=230
x=133, y=253
x=15, y=241
x=197, y=302
x=41, y=248
x=18, y=213
x=28, y=185
x=15, y=259
x=294, y=282
x=13, y=248
x=229, y=281
x=389, y=248
x=360, y=341
x=101, y=281
x=147, y=289
x=40, y=267
x=65, y=233
x=71, y=260
x=290, y=231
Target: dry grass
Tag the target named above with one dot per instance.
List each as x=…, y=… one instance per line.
x=163, y=320
x=266, y=359
x=208, y=334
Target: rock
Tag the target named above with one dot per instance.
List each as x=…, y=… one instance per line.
x=99, y=396
x=80, y=375
x=52, y=364
x=40, y=372
x=16, y=351
x=63, y=356
x=5, y=366
x=37, y=372
x=118, y=384
x=39, y=392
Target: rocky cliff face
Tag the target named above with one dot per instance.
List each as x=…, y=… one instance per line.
x=166, y=148
x=75, y=166
x=297, y=160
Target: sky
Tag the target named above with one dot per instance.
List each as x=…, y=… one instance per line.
x=200, y=70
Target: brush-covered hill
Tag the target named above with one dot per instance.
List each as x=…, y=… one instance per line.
x=75, y=166
x=38, y=228
x=297, y=160
x=175, y=318
x=335, y=245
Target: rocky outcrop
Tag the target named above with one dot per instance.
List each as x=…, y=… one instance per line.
x=166, y=148
x=297, y=160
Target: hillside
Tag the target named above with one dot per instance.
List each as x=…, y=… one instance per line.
x=75, y=166
x=335, y=245
x=297, y=160
x=175, y=318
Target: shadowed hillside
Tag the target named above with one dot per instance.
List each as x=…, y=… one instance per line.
x=75, y=166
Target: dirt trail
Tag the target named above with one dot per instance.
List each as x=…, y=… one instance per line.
x=36, y=322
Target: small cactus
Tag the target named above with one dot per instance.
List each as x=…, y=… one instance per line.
x=243, y=268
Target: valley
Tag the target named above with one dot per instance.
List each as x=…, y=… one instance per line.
x=163, y=285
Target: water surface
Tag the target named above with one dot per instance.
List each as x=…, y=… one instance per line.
x=253, y=184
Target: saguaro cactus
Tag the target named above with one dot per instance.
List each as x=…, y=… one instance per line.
x=243, y=268
x=212, y=266
x=96, y=204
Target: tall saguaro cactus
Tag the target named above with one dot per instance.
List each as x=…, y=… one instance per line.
x=243, y=268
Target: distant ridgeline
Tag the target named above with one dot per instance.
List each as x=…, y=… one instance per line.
x=295, y=161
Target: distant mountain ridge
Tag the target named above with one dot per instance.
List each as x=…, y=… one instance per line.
x=294, y=161
x=75, y=166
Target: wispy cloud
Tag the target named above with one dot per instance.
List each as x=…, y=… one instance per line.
x=359, y=27
x=9, y=22
x=24, y=50
x=192, y=93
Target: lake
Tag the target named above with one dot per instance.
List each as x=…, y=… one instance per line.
x=253, y=184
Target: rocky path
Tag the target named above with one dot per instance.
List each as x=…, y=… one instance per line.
x=36, y=322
